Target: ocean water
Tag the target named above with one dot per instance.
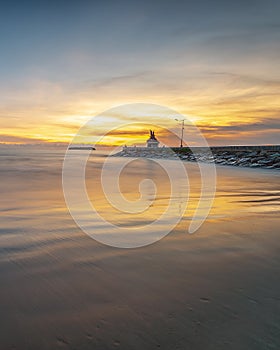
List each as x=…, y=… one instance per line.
x=60, y=288
x=31, y=189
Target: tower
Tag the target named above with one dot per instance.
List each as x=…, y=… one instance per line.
x=152, y=142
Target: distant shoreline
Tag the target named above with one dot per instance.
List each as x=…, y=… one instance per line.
x=82, y=148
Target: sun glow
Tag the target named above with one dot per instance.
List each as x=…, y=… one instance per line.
x=232, y=117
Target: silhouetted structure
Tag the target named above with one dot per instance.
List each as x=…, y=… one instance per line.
x=152, y=142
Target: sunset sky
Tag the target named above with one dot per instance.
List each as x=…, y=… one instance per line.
x=217, y=62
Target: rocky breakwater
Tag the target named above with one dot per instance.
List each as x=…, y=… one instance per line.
x=145, y=152
x=245, y=156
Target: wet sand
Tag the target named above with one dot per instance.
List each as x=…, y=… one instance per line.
x=60, y=289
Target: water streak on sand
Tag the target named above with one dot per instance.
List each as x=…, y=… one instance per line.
x=61, y=289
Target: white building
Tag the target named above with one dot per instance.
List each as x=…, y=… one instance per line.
x=152, y=142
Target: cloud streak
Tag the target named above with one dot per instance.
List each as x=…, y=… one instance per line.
x=216, y=62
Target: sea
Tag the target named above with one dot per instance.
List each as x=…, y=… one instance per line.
x=121, y=266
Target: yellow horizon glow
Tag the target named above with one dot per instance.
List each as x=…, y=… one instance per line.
x=211, y=110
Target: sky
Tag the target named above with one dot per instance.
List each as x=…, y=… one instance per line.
x=215, y=62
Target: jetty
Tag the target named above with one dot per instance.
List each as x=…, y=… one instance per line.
x=253, y=156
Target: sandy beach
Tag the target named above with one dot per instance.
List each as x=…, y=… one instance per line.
x=140, y=175
x=60, y=289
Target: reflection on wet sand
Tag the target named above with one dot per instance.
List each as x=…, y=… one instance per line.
x=61, y=289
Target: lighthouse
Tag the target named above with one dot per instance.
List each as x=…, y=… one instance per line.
x=152, y=142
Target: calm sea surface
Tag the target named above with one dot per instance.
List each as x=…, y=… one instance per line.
x=59, y=288
x=31, y=189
